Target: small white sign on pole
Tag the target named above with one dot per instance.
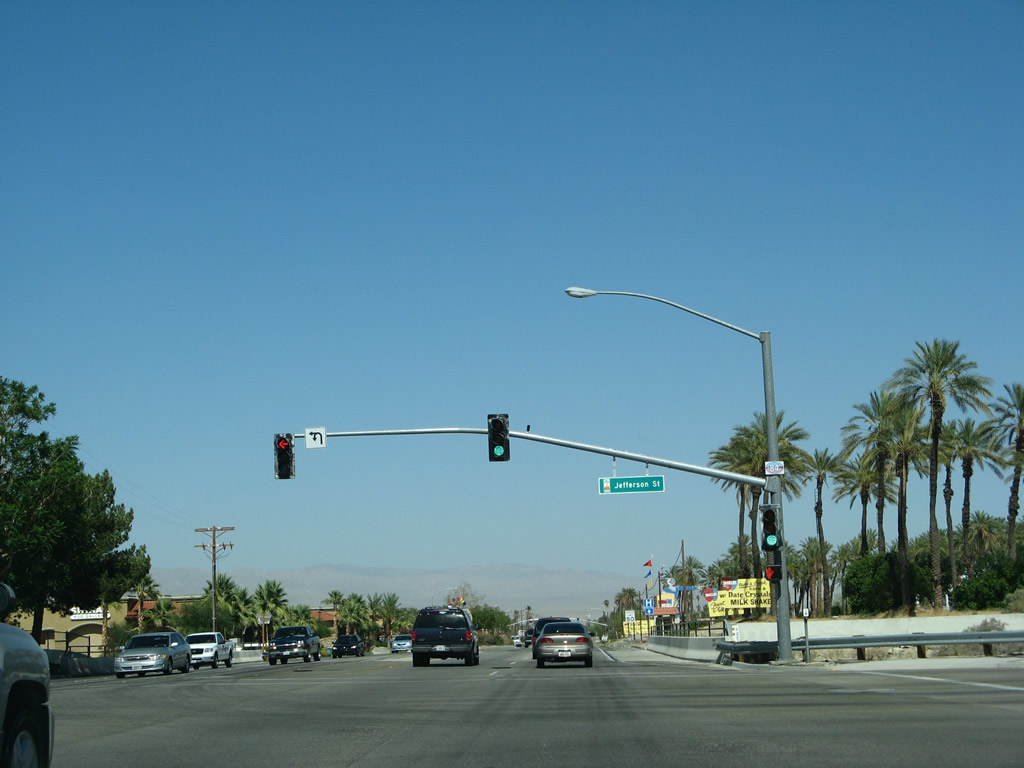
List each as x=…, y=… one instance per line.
x=316, y=437
x=775, y=468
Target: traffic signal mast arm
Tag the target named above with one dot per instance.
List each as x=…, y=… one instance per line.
x=628, y=455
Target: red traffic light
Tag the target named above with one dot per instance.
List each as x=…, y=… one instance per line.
x=773, y=573
x=283, y=443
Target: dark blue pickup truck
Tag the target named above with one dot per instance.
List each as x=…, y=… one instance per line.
x=445, y=633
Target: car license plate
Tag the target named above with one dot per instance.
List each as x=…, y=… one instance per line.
x=440, y=647
x=565, y=653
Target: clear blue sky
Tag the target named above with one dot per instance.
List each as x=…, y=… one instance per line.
x=226, y=220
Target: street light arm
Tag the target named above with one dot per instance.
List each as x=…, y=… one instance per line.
x=585, y=293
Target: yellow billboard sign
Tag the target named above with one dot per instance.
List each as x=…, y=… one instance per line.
x=737, y=595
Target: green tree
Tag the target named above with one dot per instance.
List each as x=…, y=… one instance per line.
x=824, y=466
x=355, y=614
x=939, y=372
x=870, y=431
x=164, y=615
x=335, y=598
x=906, y=449
x=977, y=447
x=1009, y=424
x=145, y=588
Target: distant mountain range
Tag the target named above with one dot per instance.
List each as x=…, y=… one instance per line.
x=547, y=590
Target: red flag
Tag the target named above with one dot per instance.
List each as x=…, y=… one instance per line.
x=648, y=563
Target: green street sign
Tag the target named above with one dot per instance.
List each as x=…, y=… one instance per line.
x=644, y=484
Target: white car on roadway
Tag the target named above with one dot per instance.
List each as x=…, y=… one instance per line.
x=210, y=648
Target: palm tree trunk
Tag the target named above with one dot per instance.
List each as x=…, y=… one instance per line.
x=947, y=495
x=933, y=493
x=965, y=514
x=865, y=497
x=1014, y=505
x=906, y=594
x=880, y=502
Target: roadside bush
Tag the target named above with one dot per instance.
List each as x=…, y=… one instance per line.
x=1014, y=602
x=872, y=583
x=985, y=590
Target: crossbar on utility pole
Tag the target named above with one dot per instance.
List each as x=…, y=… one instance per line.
x=212, y=549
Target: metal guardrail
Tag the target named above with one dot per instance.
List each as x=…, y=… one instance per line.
x=920, y=640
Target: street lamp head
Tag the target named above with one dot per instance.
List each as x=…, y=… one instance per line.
x=580, y=293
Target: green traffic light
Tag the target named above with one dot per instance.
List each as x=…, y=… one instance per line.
x=771, y=540
x=499, y=450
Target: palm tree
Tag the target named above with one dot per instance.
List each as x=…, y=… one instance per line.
x=354, y=612
x=374, y=604
x=906, y=448
x=270, y=598
x=870, y=431
x=939, y=371
x=1009, y=423
x=824, y=466
x=389, y=612
x=163, y=614
x=734, y=456
x=855, y=479
x=977, y=447
x=335, y=597
x=242, y=608
x=145, y=589
x=985, y=536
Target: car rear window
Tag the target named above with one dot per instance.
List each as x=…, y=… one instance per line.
x=564, y=628
x=202, y=638
x=441, y=620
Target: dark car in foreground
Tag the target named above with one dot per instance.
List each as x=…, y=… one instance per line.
x=445, y=633
x=153, y=652
x=26, y=718
x=348, y=645
x=561, y=641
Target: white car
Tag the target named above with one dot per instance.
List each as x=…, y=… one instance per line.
x=210, y=648
x=517, y=641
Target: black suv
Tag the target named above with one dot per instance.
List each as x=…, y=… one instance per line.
x=539, y=625
x=348, y=645
x=445, y=633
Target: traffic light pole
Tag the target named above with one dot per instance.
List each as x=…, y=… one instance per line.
x=774, y=484
x=718, y=474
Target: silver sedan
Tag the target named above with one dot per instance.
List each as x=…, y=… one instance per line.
x=153, y=652
x=564, y=641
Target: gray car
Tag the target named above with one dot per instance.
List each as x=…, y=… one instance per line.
x=153, y=652
x=561, y=641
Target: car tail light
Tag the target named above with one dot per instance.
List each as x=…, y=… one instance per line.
x=545, y=640
x=582, y=639
x=469, y=636
x=413, y=635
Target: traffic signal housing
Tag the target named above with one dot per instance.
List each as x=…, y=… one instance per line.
x=284, y=456
x=771, y=536
x=497, y=437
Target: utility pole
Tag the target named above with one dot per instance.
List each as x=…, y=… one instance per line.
x=212, y=549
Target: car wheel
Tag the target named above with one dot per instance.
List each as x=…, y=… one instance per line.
x=168, y=668
x=588, y=662
x=469, y=659
x=228, y=662
x=188, y=665
x=284, y=659
x=141, y=674
x=540, y=663
x=213, y=664
x=420, y=660
x=23, y=742
x=120, y=675
x=316, y=656
x=273, y=662
x=306, y=658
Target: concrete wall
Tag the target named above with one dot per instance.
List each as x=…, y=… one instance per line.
x=843, y=627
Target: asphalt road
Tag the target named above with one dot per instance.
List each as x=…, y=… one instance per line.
x=633, y=708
